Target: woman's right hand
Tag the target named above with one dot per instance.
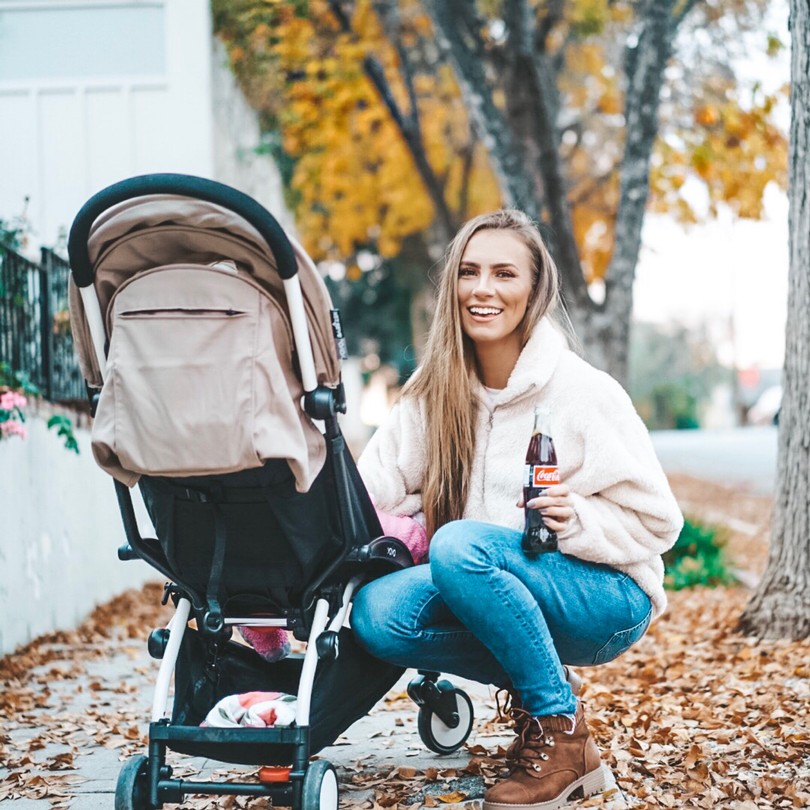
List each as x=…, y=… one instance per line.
x=555, y=505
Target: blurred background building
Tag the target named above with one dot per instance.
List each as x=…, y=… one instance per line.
x=95, y=91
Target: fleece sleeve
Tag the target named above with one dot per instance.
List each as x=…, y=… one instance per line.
x=626, y=512
x=393, y=462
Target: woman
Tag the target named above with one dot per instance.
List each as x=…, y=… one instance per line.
x=453, y=449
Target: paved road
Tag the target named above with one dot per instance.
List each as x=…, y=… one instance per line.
x=744, y=456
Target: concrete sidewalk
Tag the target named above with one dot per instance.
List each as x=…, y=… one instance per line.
x=86, y=709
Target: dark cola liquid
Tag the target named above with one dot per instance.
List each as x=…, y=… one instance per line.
x=540, y=473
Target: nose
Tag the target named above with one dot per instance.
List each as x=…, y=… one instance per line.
x=483, y=286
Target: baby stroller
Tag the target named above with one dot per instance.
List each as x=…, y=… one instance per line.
x=209, y=348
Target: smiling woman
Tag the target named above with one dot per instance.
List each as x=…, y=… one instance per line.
x=452, y=453
x=495, y=281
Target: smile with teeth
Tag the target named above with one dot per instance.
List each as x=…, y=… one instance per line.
x=484, y=311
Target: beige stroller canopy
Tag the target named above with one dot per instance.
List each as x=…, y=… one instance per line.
x=202, y=373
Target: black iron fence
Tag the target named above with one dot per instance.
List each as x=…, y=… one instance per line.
x=35, y=335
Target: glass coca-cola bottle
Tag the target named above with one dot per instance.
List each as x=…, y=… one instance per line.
x=540, y=473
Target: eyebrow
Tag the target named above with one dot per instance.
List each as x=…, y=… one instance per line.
x=497, y=265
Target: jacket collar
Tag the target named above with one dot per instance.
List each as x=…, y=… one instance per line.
x=534, y=366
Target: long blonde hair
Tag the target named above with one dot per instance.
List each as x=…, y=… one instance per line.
x=442, y=382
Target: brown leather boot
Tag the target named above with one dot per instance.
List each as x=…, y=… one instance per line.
x=513, y=711
x=551, y=763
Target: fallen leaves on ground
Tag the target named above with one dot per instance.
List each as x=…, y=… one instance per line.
x=43, y=732
x=695, y=716
x=698, y=713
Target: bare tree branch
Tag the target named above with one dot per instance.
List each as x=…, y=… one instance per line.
x=466, y=169
x=546, y=23
x=682, y=11
x=412, y=136
x=388, y=12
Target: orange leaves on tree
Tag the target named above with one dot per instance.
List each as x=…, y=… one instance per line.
x=593, y=215
x=735, y=151
x=353, y=180
x=707, y=115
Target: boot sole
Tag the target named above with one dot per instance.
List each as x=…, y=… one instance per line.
x=596, y=781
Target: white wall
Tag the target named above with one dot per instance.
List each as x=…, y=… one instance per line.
x=91, y=92
x=59, y=532
x=95, y=91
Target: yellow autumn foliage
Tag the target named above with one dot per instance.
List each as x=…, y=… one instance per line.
x=352, y=178
x=735, y=151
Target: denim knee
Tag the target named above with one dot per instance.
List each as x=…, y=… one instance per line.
x=447, y=546
x=458, y=547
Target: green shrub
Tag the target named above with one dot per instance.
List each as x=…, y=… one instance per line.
x=64, y=429
x=697, y=558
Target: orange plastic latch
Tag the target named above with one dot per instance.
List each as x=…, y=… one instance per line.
x=274, y=773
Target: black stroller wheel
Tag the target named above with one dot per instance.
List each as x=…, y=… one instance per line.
x=440, y=737
x=132, y=787
x=320, y=790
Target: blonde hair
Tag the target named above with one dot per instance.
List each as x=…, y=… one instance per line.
x=443, y=380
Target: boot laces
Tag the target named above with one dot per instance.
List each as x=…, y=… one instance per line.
x=529, y=747
x=506, y=713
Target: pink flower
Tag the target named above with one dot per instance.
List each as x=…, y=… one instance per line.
x=13, y=428
x=11, y=400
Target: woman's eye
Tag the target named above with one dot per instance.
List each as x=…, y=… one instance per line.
x=505, y=274
x=466, y=271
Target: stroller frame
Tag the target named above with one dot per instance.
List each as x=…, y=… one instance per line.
x=445, y=718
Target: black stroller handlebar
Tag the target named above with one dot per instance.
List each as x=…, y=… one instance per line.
x=182, y=185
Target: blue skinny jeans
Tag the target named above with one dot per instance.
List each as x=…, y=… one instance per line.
x=482, y=610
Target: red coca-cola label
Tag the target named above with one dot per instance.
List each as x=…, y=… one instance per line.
x=538, y=475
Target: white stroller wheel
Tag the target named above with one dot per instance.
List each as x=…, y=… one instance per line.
x=320, y=790
x=438, y=736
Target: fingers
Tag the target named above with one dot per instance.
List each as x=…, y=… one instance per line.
x=553, y=496
x=558, y=491
x=557, y=518
x=555, y=525
x=556, y=507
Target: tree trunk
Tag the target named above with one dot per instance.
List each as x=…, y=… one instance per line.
x=533, y=74
x=605, y=330
x=781, y=606
x=455, y=24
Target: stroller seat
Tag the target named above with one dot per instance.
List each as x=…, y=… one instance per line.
x=205, y=335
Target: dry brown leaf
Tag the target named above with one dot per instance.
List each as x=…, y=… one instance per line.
x=452, y=798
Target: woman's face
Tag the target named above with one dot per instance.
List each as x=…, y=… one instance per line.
x=494, y=285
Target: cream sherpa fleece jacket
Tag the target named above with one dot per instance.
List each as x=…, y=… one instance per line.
x=626, y=515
